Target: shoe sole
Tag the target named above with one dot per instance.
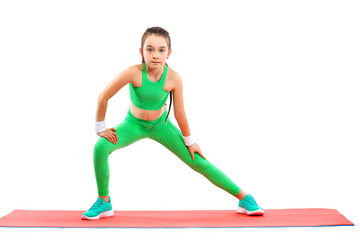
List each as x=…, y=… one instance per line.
x=103, y=214
x=258, y=212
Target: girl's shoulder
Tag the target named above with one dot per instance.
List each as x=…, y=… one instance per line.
x=136, y=68
x=173, y=75
x=173, y=80
x=133, y=69
x=134, y=73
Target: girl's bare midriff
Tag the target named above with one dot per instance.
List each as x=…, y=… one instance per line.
x=147, y=115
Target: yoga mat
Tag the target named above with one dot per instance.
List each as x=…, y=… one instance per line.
x=177, y=219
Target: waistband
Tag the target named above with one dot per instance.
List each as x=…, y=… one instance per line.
x=161, y=119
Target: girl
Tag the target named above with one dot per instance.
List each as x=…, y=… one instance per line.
x=150, y=84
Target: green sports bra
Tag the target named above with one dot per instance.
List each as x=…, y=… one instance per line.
x=151, y=95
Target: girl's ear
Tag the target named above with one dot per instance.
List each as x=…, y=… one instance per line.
x=170, y=51
x=141, y=53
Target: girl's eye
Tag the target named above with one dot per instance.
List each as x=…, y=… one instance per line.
x=151, y=50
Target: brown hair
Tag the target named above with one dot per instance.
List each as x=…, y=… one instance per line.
x=163, y=33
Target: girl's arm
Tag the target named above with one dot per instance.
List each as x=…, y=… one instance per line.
x=179, y=112
x=115, y=85
x=179, y=109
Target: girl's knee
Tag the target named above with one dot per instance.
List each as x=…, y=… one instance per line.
x=199, y=164
x=102, y=147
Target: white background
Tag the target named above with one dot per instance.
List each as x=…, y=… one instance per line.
x=271, y=93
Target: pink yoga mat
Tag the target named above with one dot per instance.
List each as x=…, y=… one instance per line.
x=177, y=219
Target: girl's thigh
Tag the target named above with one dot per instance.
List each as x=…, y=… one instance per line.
x=127, y=132
x=171, y=137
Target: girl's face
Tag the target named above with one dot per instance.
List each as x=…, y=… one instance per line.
x=155, y=51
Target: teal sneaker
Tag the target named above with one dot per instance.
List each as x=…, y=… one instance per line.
x=100, y=209
x=249, y=206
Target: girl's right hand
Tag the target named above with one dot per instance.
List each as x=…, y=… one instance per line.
x=109, y=134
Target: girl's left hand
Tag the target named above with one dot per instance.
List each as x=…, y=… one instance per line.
x=193, y=149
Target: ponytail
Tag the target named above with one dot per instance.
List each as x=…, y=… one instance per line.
x=169, y=106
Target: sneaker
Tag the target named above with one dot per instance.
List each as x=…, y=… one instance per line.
x=249, y=206
x=100, y=209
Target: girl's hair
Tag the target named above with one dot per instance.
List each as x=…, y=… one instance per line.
x=163, y=33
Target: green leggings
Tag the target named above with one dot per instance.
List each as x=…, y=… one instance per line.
x=133, y=129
